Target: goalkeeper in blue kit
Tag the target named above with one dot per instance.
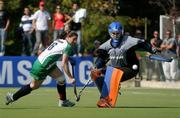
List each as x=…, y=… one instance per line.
x=119, y=53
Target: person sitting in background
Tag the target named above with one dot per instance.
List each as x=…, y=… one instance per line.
x=59, y=21
x=26, y=24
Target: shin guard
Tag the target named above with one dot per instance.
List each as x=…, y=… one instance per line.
x=110, y=87
x=97, y=78
x=99, y=83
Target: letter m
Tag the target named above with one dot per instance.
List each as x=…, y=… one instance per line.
x=6, y=72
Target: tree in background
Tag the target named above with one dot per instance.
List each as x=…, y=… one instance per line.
x=100, y=13
x=95, y=26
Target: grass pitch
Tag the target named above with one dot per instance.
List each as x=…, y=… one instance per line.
x=133, y=103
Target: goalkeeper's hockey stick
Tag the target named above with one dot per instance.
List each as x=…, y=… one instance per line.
x=160, y=58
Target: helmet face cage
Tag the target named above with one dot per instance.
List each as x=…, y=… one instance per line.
x=115, y=30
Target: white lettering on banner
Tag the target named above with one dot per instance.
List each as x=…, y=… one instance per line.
x=84, y=73
x=15, y=72
x=6, y=72
x=25, y=78
x=61, y=69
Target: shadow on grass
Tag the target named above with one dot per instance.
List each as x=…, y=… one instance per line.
x=92, y=107
x=136, y=107
x=149, y=107
x=29, y=108
x=13, y=108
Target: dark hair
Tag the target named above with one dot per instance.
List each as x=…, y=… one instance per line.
x=28, y=9
x=169, y=31
x=78, y=4
x=72, y=33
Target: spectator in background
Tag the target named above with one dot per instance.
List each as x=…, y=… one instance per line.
x=178, y=45
x=96, y=46
x=178, y=49
x=59, y=21
x=76, y=25
x=155, y=43
x=41, y=23
x=138, y=34
x=93, y=50
x=127, y=33
x=4, y=24
x=26, y=24
x=168, y=48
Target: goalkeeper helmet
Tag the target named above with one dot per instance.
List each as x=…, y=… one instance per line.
x=115, y=30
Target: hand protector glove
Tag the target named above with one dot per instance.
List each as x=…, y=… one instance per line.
x=72, y=81
x=95, y=73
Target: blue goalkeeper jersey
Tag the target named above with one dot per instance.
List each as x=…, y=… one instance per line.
x=124, y=54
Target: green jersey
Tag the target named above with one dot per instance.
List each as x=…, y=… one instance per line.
x=54, y=52
x=46, y=61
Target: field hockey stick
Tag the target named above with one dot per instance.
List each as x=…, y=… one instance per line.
x=160, y=58
x=74, y=84
x=80, y=92
x=75, y=91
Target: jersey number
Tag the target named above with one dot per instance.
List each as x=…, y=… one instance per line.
x=52, y=45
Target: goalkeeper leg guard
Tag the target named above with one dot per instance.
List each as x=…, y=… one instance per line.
x=97, y=78
x=99, y=83
x=110, y=86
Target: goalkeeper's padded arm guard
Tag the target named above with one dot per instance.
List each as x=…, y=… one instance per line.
x=145, y=46
x=102, y=56
x=100, y=63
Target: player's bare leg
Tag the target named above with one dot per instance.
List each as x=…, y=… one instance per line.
x=61, y=88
